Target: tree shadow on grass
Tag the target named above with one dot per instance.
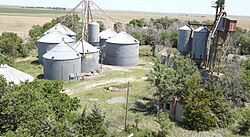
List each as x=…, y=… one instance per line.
x=40, y=76
x=35, y=62
x=146, y=106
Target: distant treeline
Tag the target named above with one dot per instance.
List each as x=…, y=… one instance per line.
x=52, y=8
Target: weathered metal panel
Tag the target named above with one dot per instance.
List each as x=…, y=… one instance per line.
x=90, y=62
x=66, y=70
x=122, y=54
x=185, y=40
x=199, y=43
x=94, y=33
x=42, y=49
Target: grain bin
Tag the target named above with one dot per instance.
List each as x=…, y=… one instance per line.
x=185, y=40
x=62, y=63
x=63, y=29
x=94, y=33
x=122, y=50
x=49, y=41
x=90, y=58
x=105, y=35
x=14, y=75
x=199, y=43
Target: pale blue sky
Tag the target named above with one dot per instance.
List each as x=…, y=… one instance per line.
x=233, y=7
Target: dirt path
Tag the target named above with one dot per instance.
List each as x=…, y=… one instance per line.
x=89, y=86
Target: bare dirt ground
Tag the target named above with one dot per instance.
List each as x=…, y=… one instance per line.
x=20, y=24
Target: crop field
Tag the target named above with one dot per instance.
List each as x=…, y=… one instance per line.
x=7, y=10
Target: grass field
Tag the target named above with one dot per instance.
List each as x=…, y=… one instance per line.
x=7, y=10
x=110, y=83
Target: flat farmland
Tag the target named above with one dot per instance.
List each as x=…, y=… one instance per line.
x=20, y=20
x=20, y=24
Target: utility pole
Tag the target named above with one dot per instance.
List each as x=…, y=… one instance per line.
x=126, y=114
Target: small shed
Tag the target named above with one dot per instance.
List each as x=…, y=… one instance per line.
x=174, y=109
x=13, y=75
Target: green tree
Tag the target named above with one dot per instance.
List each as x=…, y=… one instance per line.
x=36, y=109
x=246, y=77
x=198, y=115
x=5, y=59
x=170, y=80
x=22, y=107
x=166, y=126
x=137, y=22
x=11, y=45
x=163, y=78
x=62, y=104
x=244, y=126
x=92, y=124
x=118, y=26
x=98, y=125
x=174, y=38
x=82, y=123
x=232, y=84
x=218, y=104
x=102, y=26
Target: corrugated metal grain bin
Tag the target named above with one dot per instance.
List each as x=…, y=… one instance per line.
x=122, y=50
x=199, y=43
x=94, y=33
x=90, y=58
x=49, y=41
x=105, y=35
x=14, y=75
x=62, y=63
x=185, y=40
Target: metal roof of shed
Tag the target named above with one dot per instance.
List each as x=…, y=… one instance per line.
x=88, y=48
x=123, y=38
x=108, y=33
x=55, y=37
x=61, y=28
x=13, y=75
x=62, y=51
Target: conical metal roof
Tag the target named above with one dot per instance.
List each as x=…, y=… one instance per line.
x=61, y=28
x=55, y=37
x=88, y=48
x=62, y=51
x=202, y=29
x=108, y=33
x=123, y=38
x=14, y=75
x=185, y=28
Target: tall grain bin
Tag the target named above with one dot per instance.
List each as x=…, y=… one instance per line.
x=14, y=75
x=185, y=40
x=90, y=58
x=49, y=41
x=122, y=50
x=62, y=63
x=199, y=43
x=94, y=33
x=63, y=29
x=105, y=35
